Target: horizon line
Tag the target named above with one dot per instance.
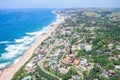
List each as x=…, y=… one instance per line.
x=67, y=8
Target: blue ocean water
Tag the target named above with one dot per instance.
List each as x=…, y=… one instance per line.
x=18, y=29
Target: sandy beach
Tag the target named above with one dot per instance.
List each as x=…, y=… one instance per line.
x=9, y=72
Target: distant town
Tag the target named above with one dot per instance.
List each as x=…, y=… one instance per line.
x=86, y=46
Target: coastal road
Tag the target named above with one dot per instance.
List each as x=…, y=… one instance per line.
x=40, y=63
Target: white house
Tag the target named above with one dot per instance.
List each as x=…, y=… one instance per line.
x=88, y=48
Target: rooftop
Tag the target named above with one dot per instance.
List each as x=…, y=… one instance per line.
x=76, y=61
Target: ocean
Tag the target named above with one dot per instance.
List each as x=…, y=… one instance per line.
x=19, y=29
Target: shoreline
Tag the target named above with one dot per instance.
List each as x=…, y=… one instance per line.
x=9, y=72
x=39, y=33
x=14, y=49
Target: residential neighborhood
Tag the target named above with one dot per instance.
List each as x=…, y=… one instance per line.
x=86, y=46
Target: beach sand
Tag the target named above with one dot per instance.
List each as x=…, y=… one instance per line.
x=9, y=72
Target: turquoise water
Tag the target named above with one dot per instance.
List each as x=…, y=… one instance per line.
x=19, y=29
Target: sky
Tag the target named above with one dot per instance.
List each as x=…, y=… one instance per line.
x=58, y=3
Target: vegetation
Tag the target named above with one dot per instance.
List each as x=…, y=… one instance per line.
x=97, y=27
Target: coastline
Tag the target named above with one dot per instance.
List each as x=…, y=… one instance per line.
x=17, y=37
x=9, y=72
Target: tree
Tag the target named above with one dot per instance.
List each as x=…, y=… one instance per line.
x=72, y=72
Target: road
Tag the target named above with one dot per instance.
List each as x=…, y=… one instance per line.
x=40, y=63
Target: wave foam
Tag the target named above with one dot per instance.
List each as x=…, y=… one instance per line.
x=4, y=42
x=4, y=65
x=16, y=50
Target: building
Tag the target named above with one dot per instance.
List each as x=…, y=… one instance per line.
x=83, y=62
x=110, y=46
x=104, y=73
x=111, y=72
x=90, y=67
x=99, y=51
x=88, y=48
x=81, y=46
x=76, y=62
x=27, y=78
x=63, y=70
x=76, y=77
x=67, y=59
x=31, y=70
x=108, y=53
x=118, y=47
x=72, y=55
x=117, y=67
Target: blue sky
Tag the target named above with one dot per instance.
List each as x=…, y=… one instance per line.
x=58, y=3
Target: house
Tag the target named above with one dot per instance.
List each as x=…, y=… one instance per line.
x=55, y=67
x=108, y=53
x=83, y=62
x=88, y=48
x=67, y=59
x=111, y=72
x=90, y=67
x=68, y=32
x=76, y=77
x=68, y=28
x=42, y=51
x=98, y=65
x=119, y=56
x=105, y=73
x=34, y=60
x=76, y=61
x=110, y=46
x=30, y=65
x=117, y=67
x=27, y=78
x=63, y=70
x=40, y=56
x=31, y=70
x=67, y=44
x=81, y=46
x=93, y=37
x=53, y=57
x=72, y=55
x=74, y=47
x=99, y=51
x=54, y=61
x=79, y=41
x=84, y=68
x=113, y=57
x=118, y=47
